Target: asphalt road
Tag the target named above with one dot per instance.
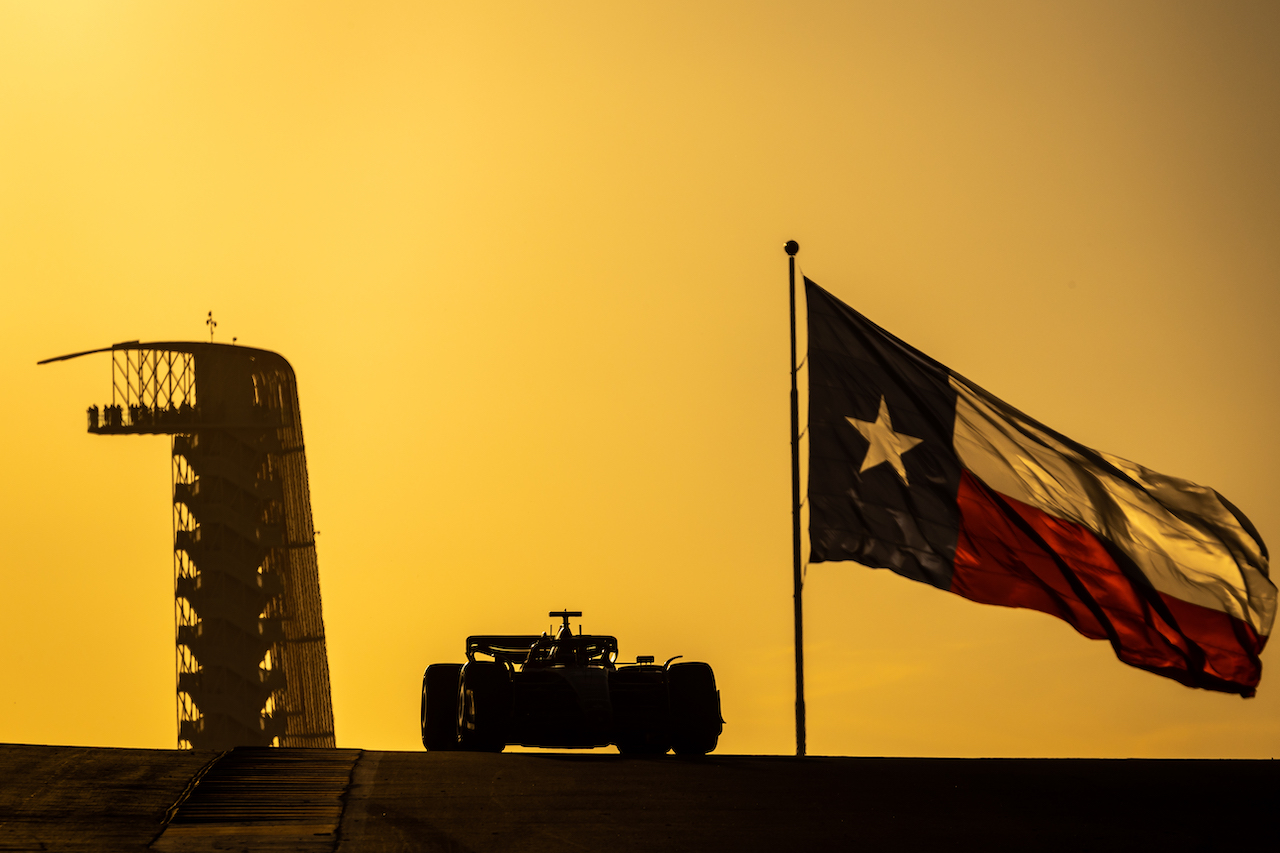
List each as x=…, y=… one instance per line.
x=65, y=798
x=84, y=798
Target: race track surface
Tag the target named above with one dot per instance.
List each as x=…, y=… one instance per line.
x=74, y=798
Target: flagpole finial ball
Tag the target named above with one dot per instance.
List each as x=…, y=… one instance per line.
x=792, y=247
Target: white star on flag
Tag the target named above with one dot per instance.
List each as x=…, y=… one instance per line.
x=886, y=445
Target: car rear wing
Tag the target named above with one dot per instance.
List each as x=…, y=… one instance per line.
x=514, y=648
x=505, y=648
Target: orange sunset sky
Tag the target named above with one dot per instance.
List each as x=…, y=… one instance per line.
x=526, y=260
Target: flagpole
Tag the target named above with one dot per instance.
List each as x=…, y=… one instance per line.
x=797, y=582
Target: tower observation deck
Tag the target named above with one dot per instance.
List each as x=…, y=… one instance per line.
x=252, y=668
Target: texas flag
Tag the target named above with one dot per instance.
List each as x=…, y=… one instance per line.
x=916, y=469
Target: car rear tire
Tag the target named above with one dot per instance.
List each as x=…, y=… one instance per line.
x=440, y=706
x=484, y=707
x=695, y=708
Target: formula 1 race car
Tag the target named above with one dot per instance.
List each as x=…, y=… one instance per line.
x=568, y=691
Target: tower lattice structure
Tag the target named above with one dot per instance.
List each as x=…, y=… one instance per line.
x=252, y=667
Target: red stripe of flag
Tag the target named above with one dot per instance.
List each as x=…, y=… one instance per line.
x=1012, y=554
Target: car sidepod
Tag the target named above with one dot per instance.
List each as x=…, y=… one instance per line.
x=562, y=706
x=641, y=724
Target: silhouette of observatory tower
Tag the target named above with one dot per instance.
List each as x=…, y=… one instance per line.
x=251, y=659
